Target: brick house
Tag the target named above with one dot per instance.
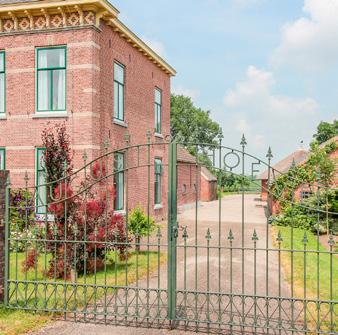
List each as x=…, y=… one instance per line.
x=74, y=61
x=208, y=185
x=297, y=158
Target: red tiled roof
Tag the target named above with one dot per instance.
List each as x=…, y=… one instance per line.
x=284, y=165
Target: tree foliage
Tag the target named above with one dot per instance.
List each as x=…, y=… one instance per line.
x=193, y=125
x=325, y=131
x=57, y=154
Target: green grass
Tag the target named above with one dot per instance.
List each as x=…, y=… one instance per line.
x=118, y=273
x=327, y=281
x=14, y=322
x=311, y=264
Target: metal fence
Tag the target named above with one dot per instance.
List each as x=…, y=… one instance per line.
x=210, y=268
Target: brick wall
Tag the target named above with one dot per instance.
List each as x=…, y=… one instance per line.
x=188, y=179
x=90, y=56
x=3, y=180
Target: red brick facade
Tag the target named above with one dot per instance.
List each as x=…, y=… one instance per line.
x=91, y=52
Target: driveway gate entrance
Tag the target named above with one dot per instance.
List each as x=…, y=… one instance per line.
x=223, y=267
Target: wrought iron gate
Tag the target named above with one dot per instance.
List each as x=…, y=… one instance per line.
x=223, y=266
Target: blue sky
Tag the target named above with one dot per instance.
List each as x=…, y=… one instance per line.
x=268, y=68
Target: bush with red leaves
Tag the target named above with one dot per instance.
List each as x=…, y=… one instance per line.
x=85, y=227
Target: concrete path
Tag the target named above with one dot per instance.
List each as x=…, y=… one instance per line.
x=237, y=272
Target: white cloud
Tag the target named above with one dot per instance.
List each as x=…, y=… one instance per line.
x=311, y=42
x=180, y=90
x=265, y=118
x=157, y=46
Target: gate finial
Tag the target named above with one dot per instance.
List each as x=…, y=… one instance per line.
x=269, y=154
x=243, y=141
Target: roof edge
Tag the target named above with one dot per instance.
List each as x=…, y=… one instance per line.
x=104, y=11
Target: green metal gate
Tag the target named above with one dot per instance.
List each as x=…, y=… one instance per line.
x=223, y=267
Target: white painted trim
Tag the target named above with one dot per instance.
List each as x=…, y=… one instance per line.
x=49, y=114
x=20, y=148
x=89, y=90
x=120, y=123
x=84, y=66
x=84, y=44
x=86, y=146
x=159, y=135
x=19, y=49
x=158, y=206
x=20, y=70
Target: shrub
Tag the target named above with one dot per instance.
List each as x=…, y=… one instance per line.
x=140, y=225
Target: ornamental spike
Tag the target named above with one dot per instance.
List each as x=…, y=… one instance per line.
x=85, y=156
x=26, y=178
x=279, y=238
x=185, y=233
x=106, y=144
x=36, y=231
x=137, y=234
x=159, y=233
x=95, y=232
x=331, y=241
x=243, y=141
x=127, y=138
x=255, y=236
x=231, y=236
x=55, y=230
x=8, y=181
x=269, y=154
x=208, y=235
x=293, y=164
x=305, y=239
x=148, y=135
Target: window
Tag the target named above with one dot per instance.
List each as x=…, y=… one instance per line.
x=51, y=79
x=158, y=111
x=306, y=194
x=158, y=181
x=2, y=159
x=119, y=181
x=118, y=91
x=40, y=181
x=2, y=83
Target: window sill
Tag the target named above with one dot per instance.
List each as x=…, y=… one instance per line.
x=39, y=115
x=159, y=135
x=120, y=123
x=157, y=207
x=3, y=117
x=120, y=212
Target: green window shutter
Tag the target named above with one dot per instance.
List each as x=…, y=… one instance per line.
x=119, y=79
x=2, y=83
x=51, y=79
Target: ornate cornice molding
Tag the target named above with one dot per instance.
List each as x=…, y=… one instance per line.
x=51, y=15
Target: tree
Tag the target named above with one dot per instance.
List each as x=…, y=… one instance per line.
x=193, y=125
x=325, y=131
x=57, y=154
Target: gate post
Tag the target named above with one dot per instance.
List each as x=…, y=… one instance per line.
x=3, y=209
x=172, y=230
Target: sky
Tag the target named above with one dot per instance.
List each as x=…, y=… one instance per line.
x=266, y=68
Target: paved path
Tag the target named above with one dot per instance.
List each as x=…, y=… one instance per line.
x=215, y=271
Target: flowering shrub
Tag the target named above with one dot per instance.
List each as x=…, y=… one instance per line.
x=85, y=227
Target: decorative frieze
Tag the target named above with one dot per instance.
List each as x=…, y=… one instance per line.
x=46, y=21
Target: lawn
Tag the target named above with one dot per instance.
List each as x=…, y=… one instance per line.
x=13, y=322
x=311, y=278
